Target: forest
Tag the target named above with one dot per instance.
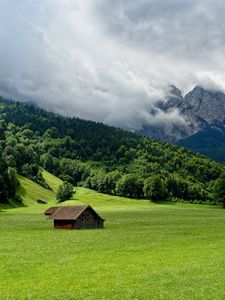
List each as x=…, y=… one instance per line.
x=100, y=157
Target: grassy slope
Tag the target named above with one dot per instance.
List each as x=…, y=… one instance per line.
x=31, y=192
x=52, y=181
x=146, y=251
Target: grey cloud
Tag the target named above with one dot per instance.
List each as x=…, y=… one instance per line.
x=174, y=26
x=110, y=60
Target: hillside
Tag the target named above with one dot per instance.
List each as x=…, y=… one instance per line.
x=100, y=157
x=30, y=192
x=210, y=142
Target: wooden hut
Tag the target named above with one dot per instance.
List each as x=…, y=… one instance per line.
x=51, y=210
x=41, y=201
x=76, y=217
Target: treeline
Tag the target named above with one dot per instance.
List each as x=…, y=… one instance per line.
x=101, y=157
x=8, y=174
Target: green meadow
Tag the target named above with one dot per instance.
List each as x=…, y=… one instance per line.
x=146, y=251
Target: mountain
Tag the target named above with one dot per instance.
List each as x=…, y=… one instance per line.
x=97, y=156
x=203, y=127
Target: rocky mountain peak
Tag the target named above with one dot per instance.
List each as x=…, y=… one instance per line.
x=175, y=92
x=173, y=100
x=200, y=109
x=205, y=104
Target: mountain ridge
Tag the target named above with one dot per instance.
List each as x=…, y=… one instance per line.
x=203, y=112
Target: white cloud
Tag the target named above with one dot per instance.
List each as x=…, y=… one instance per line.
x=109, y=60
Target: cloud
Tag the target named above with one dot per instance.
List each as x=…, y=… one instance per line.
x=109, y=61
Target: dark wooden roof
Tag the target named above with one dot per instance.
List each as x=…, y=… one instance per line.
x=71, y=212
x=51, y=210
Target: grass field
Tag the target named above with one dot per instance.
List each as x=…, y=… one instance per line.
x=146, y=251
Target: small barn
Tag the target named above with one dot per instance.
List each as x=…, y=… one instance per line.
x=41, y=201
x=51, y=210
x=76, y=217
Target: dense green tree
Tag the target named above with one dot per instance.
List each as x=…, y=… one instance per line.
x=130, y=185
x=13, y=182
x=65, y=191
x=50, y=163
x=173, y=186
x=8, y=182
x=3, y=128
x=10, y=160
x=219, y=190
x=155, y=188
x=96, y=180
x=110, y=180
x=51, y=133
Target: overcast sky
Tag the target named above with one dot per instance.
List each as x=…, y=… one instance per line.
x=109, y=60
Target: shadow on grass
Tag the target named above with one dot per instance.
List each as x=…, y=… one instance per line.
x=10, y=205
x=16, y=202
